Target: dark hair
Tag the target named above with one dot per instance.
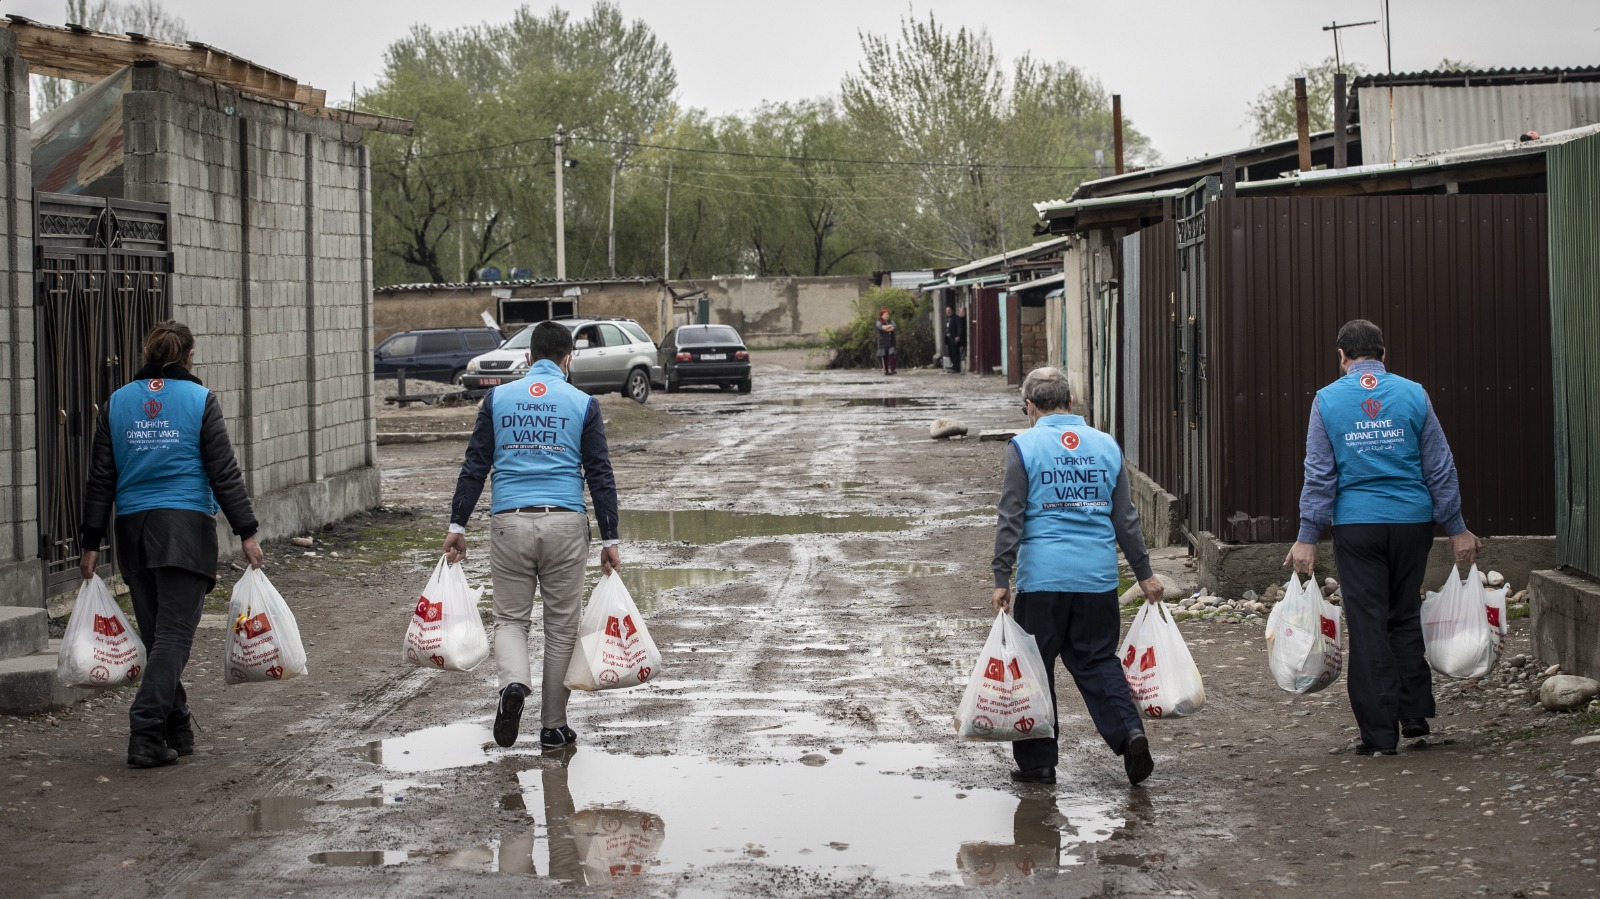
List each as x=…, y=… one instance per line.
x=550, y=340
x=168, y=343
x=1361, y=339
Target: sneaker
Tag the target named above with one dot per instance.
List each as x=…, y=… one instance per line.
x=1034, y=775
x=149, y=750
x=508, y=714
x=1414, y=728
x=557, y=737
x=180, y=734
x=1365, y=748
x=1136, y=759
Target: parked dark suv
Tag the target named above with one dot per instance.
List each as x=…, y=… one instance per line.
x=434, y=354
x=705, y=354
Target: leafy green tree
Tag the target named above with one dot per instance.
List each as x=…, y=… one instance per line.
x=146, y=17
x=856, y=345
x=1272, y=112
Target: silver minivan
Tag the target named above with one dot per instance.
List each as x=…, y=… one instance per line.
x=609, y=355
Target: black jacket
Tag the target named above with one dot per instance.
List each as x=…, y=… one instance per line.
x=955, y=330
x=177, y=537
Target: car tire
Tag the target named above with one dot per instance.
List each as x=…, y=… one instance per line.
x=637, y=387
x=459, y=378
x=744, y=386
x=672, y=384
x=729, y=385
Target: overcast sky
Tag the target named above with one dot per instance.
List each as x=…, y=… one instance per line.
x=1186, y=69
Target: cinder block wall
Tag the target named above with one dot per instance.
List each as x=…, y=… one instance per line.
x=272, y=269
x=21, y=578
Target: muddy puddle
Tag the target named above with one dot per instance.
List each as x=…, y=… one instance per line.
x=708, y=526
x=903, y=569
x=884, y=810
x=650, y=587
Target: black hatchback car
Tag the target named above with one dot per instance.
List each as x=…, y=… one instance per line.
x=705, y=354
x=434, y=354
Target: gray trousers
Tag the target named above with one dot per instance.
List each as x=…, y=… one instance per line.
x=547, y=552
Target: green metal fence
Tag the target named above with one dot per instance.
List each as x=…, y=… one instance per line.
x=1575, y=348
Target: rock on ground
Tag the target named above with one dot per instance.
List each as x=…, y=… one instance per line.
x=945, y=428
x=1565, y=692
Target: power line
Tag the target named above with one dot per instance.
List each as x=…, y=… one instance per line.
x=827, y=159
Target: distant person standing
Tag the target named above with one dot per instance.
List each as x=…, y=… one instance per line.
x=886, y=342
x=955, y=338
x=1379, y=470
x=541, y=439
x=1065, y=507
x=162, y=457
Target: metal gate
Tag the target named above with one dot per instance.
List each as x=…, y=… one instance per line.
x=102, y=272
x=1189, y=341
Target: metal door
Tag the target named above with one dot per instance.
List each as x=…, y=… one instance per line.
x=102, y=273
x=1190, y=371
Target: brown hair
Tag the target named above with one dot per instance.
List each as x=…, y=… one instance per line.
x=168, y=343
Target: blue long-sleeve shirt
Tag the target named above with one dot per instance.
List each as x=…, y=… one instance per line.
x=1322, y=475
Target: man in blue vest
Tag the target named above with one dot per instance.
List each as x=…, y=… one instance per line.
x=542, y=439
x=1379, y=470
x=1064, y=509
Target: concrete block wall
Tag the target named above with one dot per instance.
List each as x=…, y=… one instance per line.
x=21, y=579
x=270, y=227
x=777, y=311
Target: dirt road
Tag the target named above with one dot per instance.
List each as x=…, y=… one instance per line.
x=816, y=571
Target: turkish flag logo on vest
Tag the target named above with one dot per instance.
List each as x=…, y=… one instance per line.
x=1069, y=440
x=538, y=388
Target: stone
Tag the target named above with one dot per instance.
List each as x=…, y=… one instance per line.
x=302, y=541
x=945, y=428
x=1517, y=661
x=1495, y=579
x=1586, y=741
x=1565, y=692
x=996, y=434
x=1552, y=670
x=1331, y=582
x=1251, y=595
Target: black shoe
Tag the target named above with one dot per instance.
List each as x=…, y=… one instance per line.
x=508, y=714
x=180, y=734
x=1136, y=759
x=557, y=737
x=1414, y=728
x=1034, y=775
x=1364, y=748
x=149, y=750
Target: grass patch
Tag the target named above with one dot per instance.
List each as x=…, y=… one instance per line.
x=1515, y=612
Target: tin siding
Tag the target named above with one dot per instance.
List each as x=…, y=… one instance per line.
x=1160, y=450
x=1575, y=333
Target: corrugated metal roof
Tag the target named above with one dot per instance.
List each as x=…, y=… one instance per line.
x=1479, y=77
x=910, y=280
x=1042, y=246
x=1431, y=118
x=1186, y=173
x=1054, y=208
x=1037, y=283
x=520, y=282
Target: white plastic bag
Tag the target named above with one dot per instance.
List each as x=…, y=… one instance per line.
x=263, y=639
x=1161, y=673
x=614, y=647
x=1455, y=627
x=1008, y=695
x=99, y=649
x=616, y=843
x=1303, y=639
x=446, y=630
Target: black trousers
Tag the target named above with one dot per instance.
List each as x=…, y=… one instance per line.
x=166, y=607
x=1081, y=629
x=958, y=351
x=1380, y=575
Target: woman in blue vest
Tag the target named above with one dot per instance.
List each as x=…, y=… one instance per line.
x=163, y=459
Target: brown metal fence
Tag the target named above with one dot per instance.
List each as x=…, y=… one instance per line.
x=1575, y=333
x=1459, y=285
x=1160, y=447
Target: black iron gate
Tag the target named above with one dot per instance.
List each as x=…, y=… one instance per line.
x=1190, y=348
x=102, y=273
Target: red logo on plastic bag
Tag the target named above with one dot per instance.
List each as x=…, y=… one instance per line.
x=133, y=672
x=996, y=670
x=1127, y=661
x=613, y=628
x=608, y=677
x=538, y=388
x=429, y=611
x=255, y=627
x=1372, y=406
x=275, y=672
x=100, y=674
x=1369, y=380
x=644, y=674
x=628, y=628
x=1024, y=725
x=152, y=408
x=157, y=383
x=108, y=627
x=1069, y=439
x=1153, y=711
x=437, y=660
x=981, y=725
x=1494, y=616
x=1148, y=660
x=1329, y=629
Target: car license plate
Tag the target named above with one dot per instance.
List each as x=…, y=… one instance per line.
x=713, y=357
x=489, y=382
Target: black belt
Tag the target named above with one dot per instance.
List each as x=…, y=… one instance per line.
x=545, y=509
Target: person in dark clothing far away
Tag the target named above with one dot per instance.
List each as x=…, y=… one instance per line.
x=1379, y=470
x=162, y=457
x=886, y=342
x=542, y=439
x=1064, y=508
x=955, y=338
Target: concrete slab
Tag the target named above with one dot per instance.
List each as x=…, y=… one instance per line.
x=22, y=631
x=28, y=685
x=1565, y=612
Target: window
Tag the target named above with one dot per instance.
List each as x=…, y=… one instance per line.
x=404, y=345
x=636, y=332
x=482, y=340
x=708, y=335
x=612, y=335
x=439, y=342
x=520, y=340
x=590, y=334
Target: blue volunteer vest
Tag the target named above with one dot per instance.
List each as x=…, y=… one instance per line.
x=1068, y=541
x=538, y=430
x=155, y=437
x=1374, y=421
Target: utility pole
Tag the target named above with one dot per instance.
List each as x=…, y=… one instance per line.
x=1338, y=58
x=611, y=221
x=666, y=232
x=1388, y=52
x=561, y=206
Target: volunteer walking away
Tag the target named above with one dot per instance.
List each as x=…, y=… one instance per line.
x=1064, y=509
x=541, y=439
x=1379, y=470
x=886, y=342
x=955, y=338
x=162, y=458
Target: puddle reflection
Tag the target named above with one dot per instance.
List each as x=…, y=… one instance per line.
x=904, y=569
x=708, y=526
x=646, y=585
